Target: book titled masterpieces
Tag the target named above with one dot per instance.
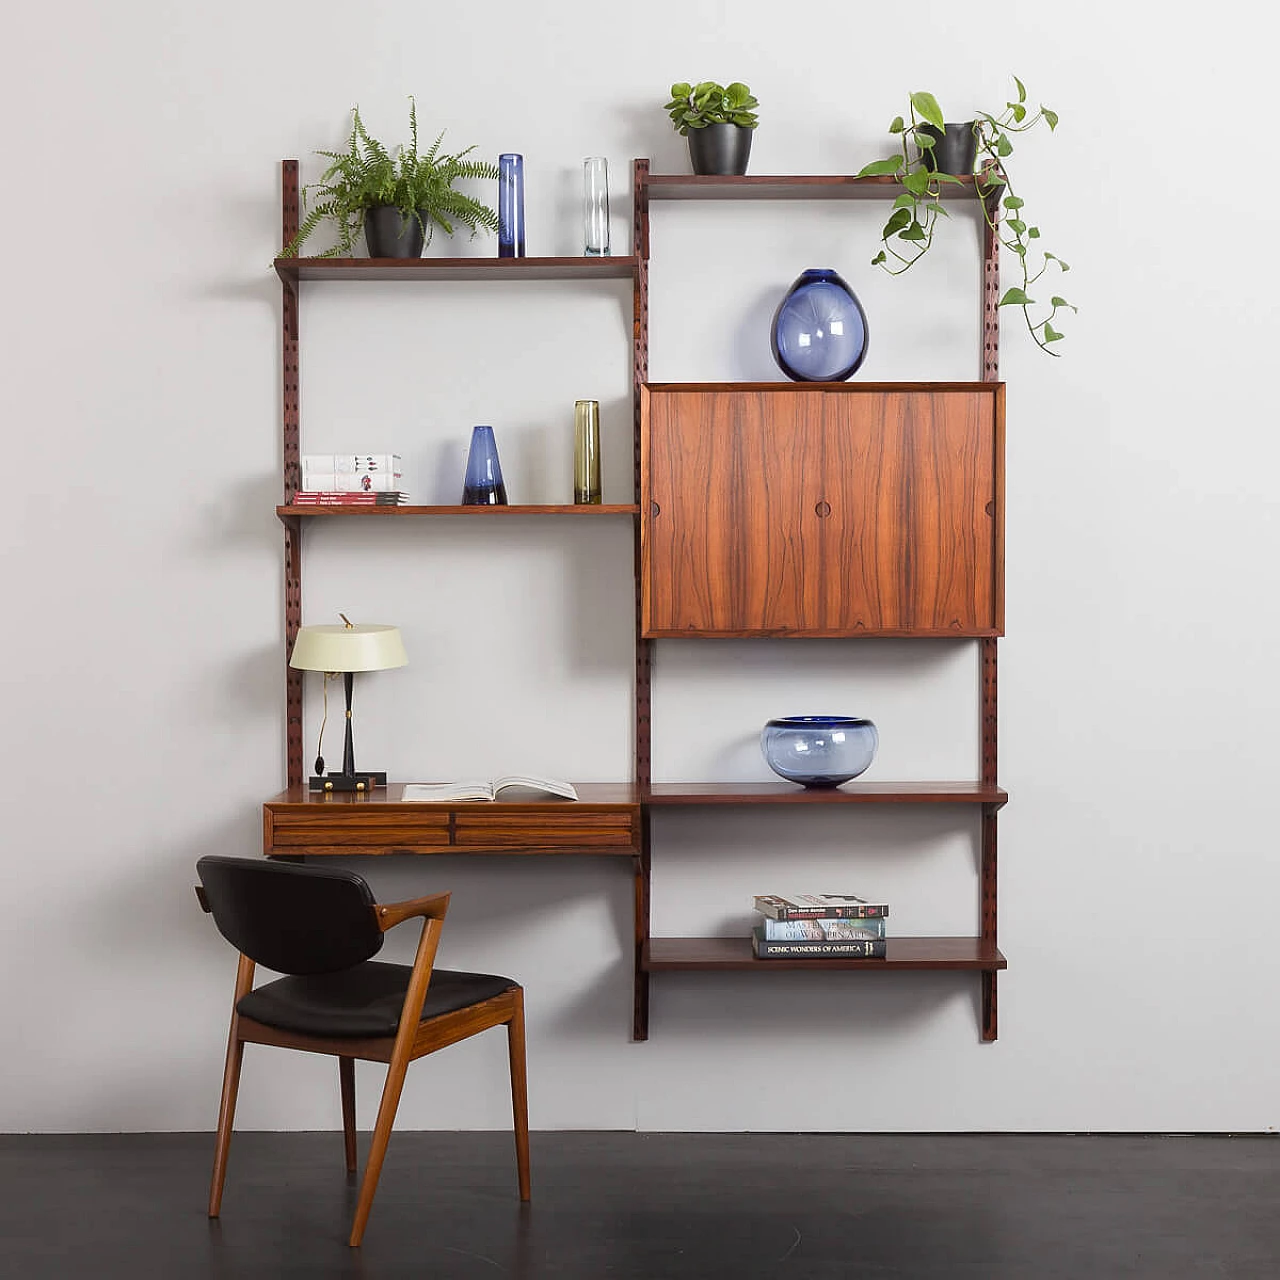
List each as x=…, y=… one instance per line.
x=486, y=788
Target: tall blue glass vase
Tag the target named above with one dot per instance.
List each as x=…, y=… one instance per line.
x=482, y=485
x=819, y=331
x=510, y=206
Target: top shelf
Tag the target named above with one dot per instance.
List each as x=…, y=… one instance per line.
x=681, y=186
x=291, y=270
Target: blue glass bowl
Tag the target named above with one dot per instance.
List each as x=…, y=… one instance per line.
x=819, y=751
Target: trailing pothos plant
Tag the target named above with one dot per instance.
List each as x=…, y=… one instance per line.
x=368, y=175
x=908, y=234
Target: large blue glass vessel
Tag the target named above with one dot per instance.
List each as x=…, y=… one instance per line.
x=819, y=331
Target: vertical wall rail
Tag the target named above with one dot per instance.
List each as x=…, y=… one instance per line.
x=644, y=648
x=991, y=373
x=991, y=284
x=289, y=420
x=988, y=858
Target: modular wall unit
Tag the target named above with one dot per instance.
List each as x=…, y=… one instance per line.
x=762, y=509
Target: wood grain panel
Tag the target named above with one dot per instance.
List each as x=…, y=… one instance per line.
x=909, y=544
x=822, y=510
x=472, y=827
x=341, y=827
x=729, y=510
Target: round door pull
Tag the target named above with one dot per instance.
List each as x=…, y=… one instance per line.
x=654, y=509
x=823, y=509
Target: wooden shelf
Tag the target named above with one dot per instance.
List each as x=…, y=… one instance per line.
x=680, y=186
x=291, y=270
x=752, y=793
x=529, y=509
x=667, y=954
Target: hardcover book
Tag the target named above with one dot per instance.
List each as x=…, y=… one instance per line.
x=334, y=498
x=848, y=949
x=817, y=906
x=824, y=929
x=486, y=788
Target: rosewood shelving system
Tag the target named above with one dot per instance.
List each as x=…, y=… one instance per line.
x=294, y=822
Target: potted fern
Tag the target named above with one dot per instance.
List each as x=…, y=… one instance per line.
x=398, y=197
x=717, y=121
x=933, y=154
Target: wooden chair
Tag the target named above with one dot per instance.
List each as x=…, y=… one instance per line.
x=320, y=926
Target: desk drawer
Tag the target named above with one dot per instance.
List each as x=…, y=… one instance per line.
x=345, y=826
x=568, y=829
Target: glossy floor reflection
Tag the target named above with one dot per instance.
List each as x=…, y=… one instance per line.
x=649, y=1207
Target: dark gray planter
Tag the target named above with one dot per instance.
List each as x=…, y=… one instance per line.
x=388, y=235
x=720, y=148
x=954, y=149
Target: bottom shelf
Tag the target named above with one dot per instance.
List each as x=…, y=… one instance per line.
x=664, y=954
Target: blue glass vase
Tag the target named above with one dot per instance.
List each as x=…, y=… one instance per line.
x=482, y=486
x=819, y=751
x=819, y=331
x=510, y=206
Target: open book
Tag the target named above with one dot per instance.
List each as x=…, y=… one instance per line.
x=483, y=789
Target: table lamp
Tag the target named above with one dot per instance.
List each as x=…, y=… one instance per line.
x=345, y=649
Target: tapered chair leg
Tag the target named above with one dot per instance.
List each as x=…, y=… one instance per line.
x=226, y=1117
x=381, y=1135
x=347, y=1084
x=519, y=1093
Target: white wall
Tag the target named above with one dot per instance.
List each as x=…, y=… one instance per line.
x=143, y=645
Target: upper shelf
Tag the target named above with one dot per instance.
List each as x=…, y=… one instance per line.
x=522, y=509
x=291, y=270
x=833, y=186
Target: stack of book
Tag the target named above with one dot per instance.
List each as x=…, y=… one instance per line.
x=346, y=479
x=823, y=925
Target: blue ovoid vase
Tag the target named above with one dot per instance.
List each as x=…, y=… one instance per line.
x=819, y=752
x=482, y=486
x=819, y=331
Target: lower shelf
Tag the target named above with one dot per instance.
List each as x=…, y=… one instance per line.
x=662, y=954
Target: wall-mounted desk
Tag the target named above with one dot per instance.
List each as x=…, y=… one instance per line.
x=605, y=819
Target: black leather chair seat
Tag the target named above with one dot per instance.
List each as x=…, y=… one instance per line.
x=362, y=1001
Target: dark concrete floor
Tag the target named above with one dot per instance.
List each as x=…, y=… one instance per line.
x=648, y=1207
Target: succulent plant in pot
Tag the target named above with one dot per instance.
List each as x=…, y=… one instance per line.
x=933, y=155
x=717, y=121
x=398, y=196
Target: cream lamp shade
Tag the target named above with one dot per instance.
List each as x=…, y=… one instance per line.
x=363, y=646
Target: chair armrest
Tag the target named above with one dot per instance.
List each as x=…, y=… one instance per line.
x=390, y=914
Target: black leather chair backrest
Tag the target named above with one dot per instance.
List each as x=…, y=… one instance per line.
x=291, y=918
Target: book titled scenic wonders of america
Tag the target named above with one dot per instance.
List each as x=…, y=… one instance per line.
x=846, y=949
x=817, y=906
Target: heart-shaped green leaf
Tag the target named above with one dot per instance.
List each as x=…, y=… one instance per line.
x=1015, y=298
x=926, y=106
x=881, y=168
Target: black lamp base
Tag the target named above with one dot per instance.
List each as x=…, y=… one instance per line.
x=362, y=781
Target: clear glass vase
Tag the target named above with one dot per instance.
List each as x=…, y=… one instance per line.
x=595, y=207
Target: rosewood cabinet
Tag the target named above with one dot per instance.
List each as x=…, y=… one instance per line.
x=822, y=510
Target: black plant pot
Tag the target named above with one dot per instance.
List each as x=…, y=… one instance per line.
x=720, y=148
x=388, y=235
x=953, y=150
